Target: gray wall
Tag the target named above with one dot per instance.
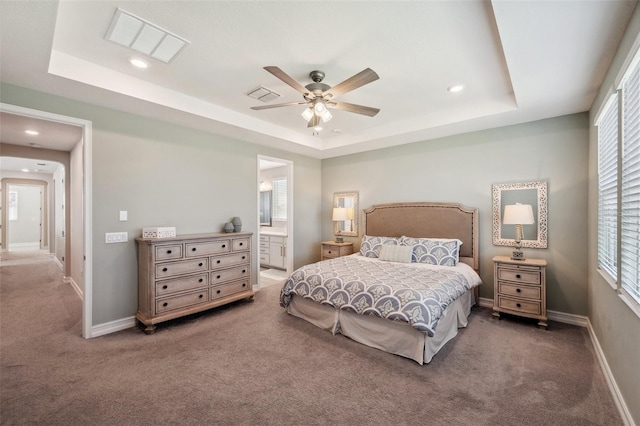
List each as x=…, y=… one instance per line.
x=163, y=174
x=462, y=169
x=615, y=325
x=26, y=227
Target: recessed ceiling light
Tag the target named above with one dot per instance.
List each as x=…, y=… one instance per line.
x=455, y=88
x=138, y=63
x=25, y=170
x=32, y=132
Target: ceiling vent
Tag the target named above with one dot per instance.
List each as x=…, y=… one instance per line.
x=144, y=37
x=263, y=94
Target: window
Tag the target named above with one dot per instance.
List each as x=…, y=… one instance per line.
x=279, y=187
x=619, y=185
x=608, y=188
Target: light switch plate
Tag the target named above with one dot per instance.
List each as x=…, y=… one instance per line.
x=116, y=237
x=123, y=215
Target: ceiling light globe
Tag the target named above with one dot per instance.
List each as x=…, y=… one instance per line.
x=138, y=63
x=319, y=108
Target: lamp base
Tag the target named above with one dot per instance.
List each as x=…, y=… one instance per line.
x=517, y=255
x=339, y=240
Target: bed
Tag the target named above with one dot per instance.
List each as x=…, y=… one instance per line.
x=389, y=295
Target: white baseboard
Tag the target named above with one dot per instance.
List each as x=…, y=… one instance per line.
x=579, y=320
x=74, y=285
x=113, y=326
x=611, y=381
x=60, y=265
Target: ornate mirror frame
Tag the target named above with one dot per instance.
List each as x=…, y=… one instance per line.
x=347, y=228
x=498, y=194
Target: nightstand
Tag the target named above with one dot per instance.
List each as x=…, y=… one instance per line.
x=519, y=288
x=331, y=249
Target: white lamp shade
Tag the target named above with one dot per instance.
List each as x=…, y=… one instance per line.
x=340, y=213
x=518, y=214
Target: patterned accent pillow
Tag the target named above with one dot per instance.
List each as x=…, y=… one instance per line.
x=370, y=246
x=400, y=254
x=435, y=251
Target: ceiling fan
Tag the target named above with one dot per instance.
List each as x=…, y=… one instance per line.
x=319, y=96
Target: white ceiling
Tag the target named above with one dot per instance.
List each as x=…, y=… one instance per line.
x=518, y=60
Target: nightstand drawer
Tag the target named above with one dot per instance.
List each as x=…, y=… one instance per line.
x=519, y=275
x=516, y=305
x=335, y=251
x=524, y=291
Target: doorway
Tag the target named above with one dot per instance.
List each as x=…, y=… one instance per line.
x=26, y=220
x=275, y=220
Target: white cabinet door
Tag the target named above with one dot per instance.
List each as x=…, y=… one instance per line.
x=277, y=252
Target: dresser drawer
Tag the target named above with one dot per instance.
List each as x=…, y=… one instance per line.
x=170, y=269
x=524, y=291
x=169, y=252
x=175, y=285
x=184, y=300
x=240, y=244
x=229, y=260
x=229, y=274
x=201, y=249
x=519, y=275
x=516, y=305
x=228, y=289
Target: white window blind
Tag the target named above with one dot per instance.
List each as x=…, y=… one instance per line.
x=608, y=188
x=279, y=187
x=630, y=209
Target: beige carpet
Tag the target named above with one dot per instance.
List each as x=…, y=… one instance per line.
x=252, y=364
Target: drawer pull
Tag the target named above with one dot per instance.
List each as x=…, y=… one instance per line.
x=218, y=277
x=518, y=290
x=244, y=271
x=164, y=269
x=241, y=243
x=201, y=296
x=244, y=284
x=518, y=276
x=168, y=251
x=200, y=264
x=329, y=251
x=224, y=245
x=164, y=287
x=193, y=249
x=518, y=305
x=218, y=262
x=200, y=280
x=218, y=292
x=244, y=257
x=165, y=304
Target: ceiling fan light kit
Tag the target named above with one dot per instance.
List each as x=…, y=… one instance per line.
x=319, y=96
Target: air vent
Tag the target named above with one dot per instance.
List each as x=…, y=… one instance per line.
x=263, y=94
x=144, y=37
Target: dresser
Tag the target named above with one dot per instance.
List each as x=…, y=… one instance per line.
x=520, y=288
x=191, y=273
x=331, y=249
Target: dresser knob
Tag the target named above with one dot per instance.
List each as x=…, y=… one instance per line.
x=244, y=257
x=518, y=290
x=218, y=277
x=164, y=269
x=168, y=251
x=201, y=296
x=200, y=264
x=518, y=305
x=164, y=287
x=200, y=280
x=193, y=249
x=244, y=271
x=224, y=245
x=241, y=243
x=165, y=304
x=518, y=276
x=329, y=251
x=244, y=284
x=218, y=262
x=218, y=292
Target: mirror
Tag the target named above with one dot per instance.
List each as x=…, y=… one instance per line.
x=533, y=193
x=349, y=227
x=265, y=208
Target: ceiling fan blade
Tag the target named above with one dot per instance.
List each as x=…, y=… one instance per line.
x=278, y=105
x=363, y=77
x=358, y=109
x=290, y=81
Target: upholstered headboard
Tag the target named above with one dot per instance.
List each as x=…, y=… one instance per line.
x=427, y=220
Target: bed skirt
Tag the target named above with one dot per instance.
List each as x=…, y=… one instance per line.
x=393, y=337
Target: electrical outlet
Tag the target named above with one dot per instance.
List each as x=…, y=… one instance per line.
x=116, y=237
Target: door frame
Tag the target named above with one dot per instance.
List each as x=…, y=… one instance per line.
x=87, y=201
x=289, y=239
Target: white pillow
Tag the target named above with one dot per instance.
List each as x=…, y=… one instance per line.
x=400, y=254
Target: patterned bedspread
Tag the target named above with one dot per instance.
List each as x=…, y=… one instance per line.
x=409, y=292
